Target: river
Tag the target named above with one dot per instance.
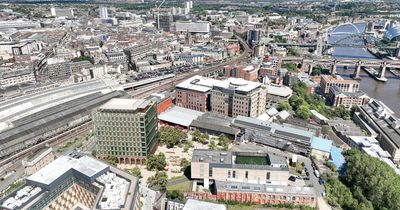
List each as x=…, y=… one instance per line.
x=388, y=92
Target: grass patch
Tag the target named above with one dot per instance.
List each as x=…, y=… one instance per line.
x=183, y=187
x=252, y=160
x=175, y=178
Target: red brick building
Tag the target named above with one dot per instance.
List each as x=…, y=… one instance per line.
x=259, y=194
x=194, y=93
x=163, y=101
x=248, y=73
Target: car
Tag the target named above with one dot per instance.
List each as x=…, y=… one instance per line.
x=306, y=178
x=306, y=170
x=308, y=173
x=292, y=178
x=321, y=182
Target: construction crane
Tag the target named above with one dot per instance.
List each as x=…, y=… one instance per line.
x=158, y=14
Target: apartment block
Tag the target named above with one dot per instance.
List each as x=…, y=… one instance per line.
x=327, y=81
x=11, y=76
x=337, y=97
x=233, y=97
x=126, y=129
x=245, y=72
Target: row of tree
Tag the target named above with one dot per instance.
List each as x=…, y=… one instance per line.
x=302, y=103
x=368, y=183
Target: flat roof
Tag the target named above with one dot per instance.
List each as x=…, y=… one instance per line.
x=85, y=165
x=198, y=83
x=321, y=144
x=202, y=205
x=125, y=104
x=229, y=186
x=283, y=91
x=179, y=116
x=238, y=84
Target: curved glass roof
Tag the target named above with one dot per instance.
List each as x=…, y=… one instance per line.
x=393, y=33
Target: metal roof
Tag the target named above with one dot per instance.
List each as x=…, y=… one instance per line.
x=179, y=116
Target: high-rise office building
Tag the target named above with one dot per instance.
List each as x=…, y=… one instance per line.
x=126, y=129
x=166, y=22
x=253, y=36
x=103, y=12
x=233, y=97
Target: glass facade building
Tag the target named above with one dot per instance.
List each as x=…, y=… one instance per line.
x=126, y=129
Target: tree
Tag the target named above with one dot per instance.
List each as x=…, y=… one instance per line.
x=158, y=180
x=212, y=145
x=200, y=137
x=224, y=142
x=284, y=106
x=304, y=112
x=184, y=164
x=292, y=52
x=175, y=195
x=112, y=160
x=316, y=71
x=172, y=136
x=156, y=162
x=338, y=194
x=342, y=112
x=136, y=172
x=296, y=101
x=373, y=178
x=290, y=67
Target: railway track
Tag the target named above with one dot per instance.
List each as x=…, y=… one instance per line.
x=53, y=141
x=140, y=92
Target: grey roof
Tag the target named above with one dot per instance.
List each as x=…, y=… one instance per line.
x=227, y=186
x=275, y=128
x=179, y=116
x=125, y=104
x=202, y=205
x=385, y=120
x=54, y=171
x=212, y=156
x=215, y=123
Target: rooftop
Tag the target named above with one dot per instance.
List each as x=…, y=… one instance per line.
x=179, y=116
x=321, y=144
x=202, y=205
x=337, y=79
x=198, y=83
x=125, y=104
x=238, y=84
x=85, y=165
x=228, y=186
x=282, y=91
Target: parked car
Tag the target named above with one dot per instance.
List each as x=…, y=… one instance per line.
x=306, y=178
x=292, y=178
x=321, y=182
x=307, y=173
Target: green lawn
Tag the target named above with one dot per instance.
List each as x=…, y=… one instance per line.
x=184, y=186
x=254, y=160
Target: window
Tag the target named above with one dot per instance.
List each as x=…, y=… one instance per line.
x=268, y=175
x=246, y=175
x=229, y=174
x=234, y=174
